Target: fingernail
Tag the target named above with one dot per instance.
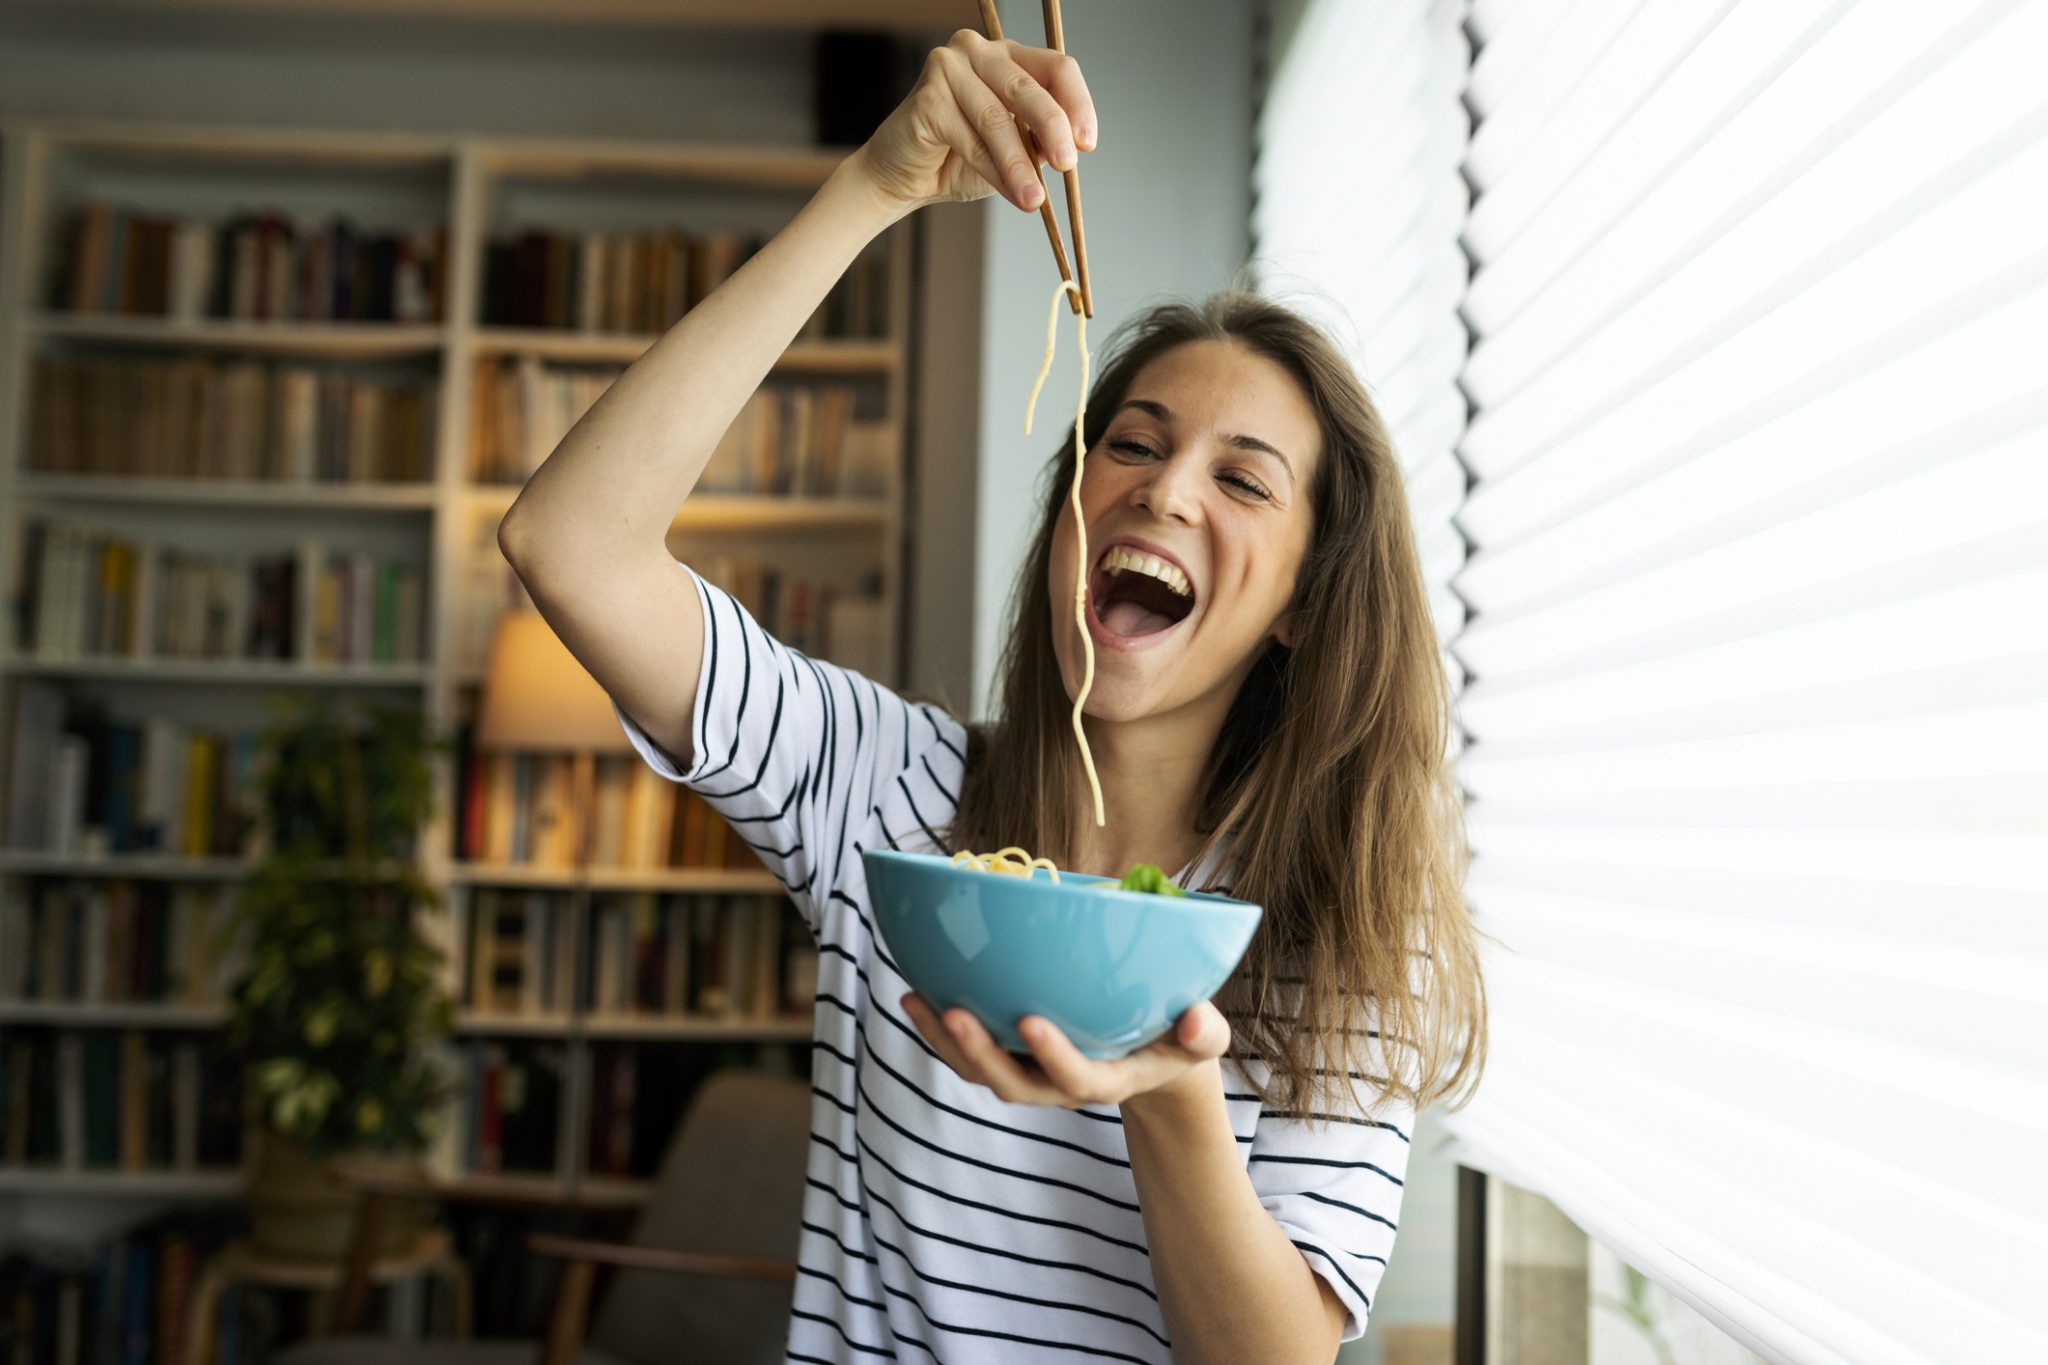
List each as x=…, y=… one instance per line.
x=1063, y=157
x=1032, y=195
x=1085, y=135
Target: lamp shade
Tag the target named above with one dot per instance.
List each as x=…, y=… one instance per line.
x=538, y=697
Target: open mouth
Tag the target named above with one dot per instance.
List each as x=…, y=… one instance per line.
x=1134, y=594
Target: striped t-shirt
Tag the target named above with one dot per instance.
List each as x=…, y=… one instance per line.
x=940, y=1222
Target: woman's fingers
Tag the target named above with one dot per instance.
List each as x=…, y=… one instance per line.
x=1001, y=1072
x=1061, y=75
x=1015, y=176
x=934, y=1032
x=946, y=120
x=1013, y=71
x=1202, y=1031
x=1081, y=1077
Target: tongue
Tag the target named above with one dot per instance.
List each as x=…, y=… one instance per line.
x=1133, y=618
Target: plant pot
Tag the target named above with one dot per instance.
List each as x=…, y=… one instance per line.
x=298, y=1212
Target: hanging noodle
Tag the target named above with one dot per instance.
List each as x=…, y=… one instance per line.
x=1014, y=861
x=1080, y=525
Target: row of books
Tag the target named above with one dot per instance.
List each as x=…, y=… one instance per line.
x=845, y=624
x=520, y=951
x=669, y=954
x=91, y=592
x=512, y=1111
x=209, y=418
x=119, y=1099
x=519, y=808
x=707, y=957
x=125, y=1299
x=85, y=941
x=803, y=440
x=520, y=409
x=789, y=440
x=259, y=264
x=645, y=281
x=83, y=782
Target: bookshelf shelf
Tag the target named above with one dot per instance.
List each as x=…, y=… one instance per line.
x=792, y=168
x=69, y=1014
x=490, y=398
x=200, y=1184
x=611, y=1191
x=490, y=1023
x=704, y=880
x=259, y=494
x=654, y=1028
x=155, y=866
x=739, y=511
x=353, y=340
x=551, y=343
x=224, y=672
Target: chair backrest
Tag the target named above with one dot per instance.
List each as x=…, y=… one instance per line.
x=731, y=1183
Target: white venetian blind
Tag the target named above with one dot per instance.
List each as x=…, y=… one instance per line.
x=1757, y=710
x=1356, y=209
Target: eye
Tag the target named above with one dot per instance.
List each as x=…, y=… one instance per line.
x=1142, y=452
x=1249, y=485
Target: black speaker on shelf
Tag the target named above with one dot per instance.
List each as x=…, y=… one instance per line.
x=857, y=78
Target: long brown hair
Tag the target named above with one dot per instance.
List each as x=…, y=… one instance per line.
x=1331, y=777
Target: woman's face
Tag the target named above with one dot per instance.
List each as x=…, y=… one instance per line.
x=1196, y=500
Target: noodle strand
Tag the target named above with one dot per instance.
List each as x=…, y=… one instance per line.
x=1080, y=526
x=1010, y=862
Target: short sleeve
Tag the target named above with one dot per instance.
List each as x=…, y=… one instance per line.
x=1335, y=1190
x=793, y=751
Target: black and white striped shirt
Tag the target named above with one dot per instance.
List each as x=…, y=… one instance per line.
x=940, y=1222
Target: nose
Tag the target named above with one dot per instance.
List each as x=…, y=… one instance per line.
x=1170, y=489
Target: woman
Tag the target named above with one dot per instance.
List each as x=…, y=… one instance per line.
x=1269, y=712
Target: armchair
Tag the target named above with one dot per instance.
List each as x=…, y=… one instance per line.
x=706, y=1275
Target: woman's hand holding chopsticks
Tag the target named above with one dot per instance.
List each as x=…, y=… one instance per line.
x=955, y=137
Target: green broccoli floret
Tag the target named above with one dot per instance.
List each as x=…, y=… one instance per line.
x=1149, y=879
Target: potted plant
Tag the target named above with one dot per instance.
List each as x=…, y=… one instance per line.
x=339, y=1006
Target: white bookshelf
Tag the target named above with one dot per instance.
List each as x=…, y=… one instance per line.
x=480, y=188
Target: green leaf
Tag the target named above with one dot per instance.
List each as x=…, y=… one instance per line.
x=1149, y=879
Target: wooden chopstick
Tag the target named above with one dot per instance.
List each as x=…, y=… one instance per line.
x=1057, y=41
x=993, y=27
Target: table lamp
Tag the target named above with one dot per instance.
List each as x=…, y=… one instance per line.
x=539, y=699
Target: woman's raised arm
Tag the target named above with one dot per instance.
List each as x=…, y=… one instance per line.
x=588, y=533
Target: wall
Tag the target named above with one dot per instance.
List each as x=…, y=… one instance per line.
x=1165, y=202
x=425, y=75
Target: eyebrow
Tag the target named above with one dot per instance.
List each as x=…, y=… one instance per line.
x=1165, y=414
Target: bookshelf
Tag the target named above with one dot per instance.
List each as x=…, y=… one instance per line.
x=264, y=397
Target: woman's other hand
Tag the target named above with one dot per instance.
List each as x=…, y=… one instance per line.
x=1058, y=1074
x=954, y=138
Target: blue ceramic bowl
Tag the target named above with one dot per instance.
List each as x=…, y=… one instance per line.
x=1115, y=969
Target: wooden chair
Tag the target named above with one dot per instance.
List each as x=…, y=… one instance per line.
x=706, y=1275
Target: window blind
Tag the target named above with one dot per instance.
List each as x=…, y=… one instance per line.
x=1356, y=208
x=1757, y=711
x=1755, y=673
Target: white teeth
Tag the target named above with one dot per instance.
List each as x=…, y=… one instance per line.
x=1118, y=559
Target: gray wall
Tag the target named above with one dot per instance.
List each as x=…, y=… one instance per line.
x=1165, y=205
x=424, y=75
